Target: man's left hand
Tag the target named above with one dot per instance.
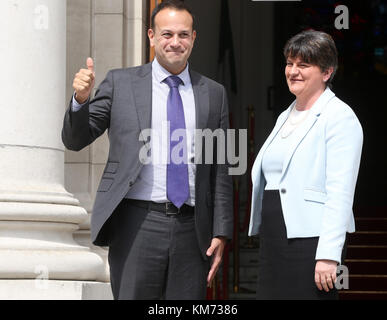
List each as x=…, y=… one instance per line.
x=216, y=249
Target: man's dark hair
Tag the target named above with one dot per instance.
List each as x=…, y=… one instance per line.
x=314, y=47
x=177, y=5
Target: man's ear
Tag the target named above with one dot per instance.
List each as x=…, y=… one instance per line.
x=151, y=36
x=193, y=35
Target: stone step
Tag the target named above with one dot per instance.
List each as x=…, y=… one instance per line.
x=245, y=291
x=367, y=212
x=363, y=275
x=241, y=296
x=371, y=224
x=368, y=238
x=247, y=257
x=244, y=287
x=246, y=242
x=366, y=266
x=247, y=275
x=362, y=295
x=343, y=295
x=370, y=282
x=366, y=252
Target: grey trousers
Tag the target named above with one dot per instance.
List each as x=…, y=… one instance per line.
x=154, y=256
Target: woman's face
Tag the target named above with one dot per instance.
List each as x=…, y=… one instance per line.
x=304, y=79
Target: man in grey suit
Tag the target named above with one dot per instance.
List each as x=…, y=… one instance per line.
x=166, y=223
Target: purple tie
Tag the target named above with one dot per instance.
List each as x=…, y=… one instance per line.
x=177, y=173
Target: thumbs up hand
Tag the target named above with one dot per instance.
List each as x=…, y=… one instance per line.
x=83, y=82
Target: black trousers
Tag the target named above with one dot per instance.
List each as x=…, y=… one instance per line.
x=286, y=266
x=154, y=256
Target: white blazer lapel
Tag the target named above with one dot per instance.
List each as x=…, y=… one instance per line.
x=301, y=132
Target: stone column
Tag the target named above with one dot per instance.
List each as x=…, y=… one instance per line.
x=113, y=33
x=37, y=215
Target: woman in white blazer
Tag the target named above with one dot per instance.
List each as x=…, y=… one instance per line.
x=304, y=179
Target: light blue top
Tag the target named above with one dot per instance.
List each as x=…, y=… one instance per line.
x=274, y=156
x=272, y=161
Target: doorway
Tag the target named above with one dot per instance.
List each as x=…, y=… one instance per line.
x=258, y=31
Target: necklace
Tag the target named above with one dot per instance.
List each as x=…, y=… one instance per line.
x=297, y=116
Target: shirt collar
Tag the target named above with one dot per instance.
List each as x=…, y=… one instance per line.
x=160, y=73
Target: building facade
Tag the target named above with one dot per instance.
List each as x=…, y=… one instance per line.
x=47, y=192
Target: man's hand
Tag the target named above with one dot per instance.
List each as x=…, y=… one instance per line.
x=217, y=247
x=83, y=82
x=325, y=274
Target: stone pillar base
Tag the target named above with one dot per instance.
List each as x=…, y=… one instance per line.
x=54, y=290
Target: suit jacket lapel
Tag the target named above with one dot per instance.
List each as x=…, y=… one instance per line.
x=202, y=100
x=301, y=132
x=202, y=107
x=142, y=87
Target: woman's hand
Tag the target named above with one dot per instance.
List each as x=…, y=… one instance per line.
x=325, y=274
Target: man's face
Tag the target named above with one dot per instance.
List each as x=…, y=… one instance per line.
x=172, y=38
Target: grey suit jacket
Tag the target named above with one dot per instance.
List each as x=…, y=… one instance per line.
x=123, y=105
